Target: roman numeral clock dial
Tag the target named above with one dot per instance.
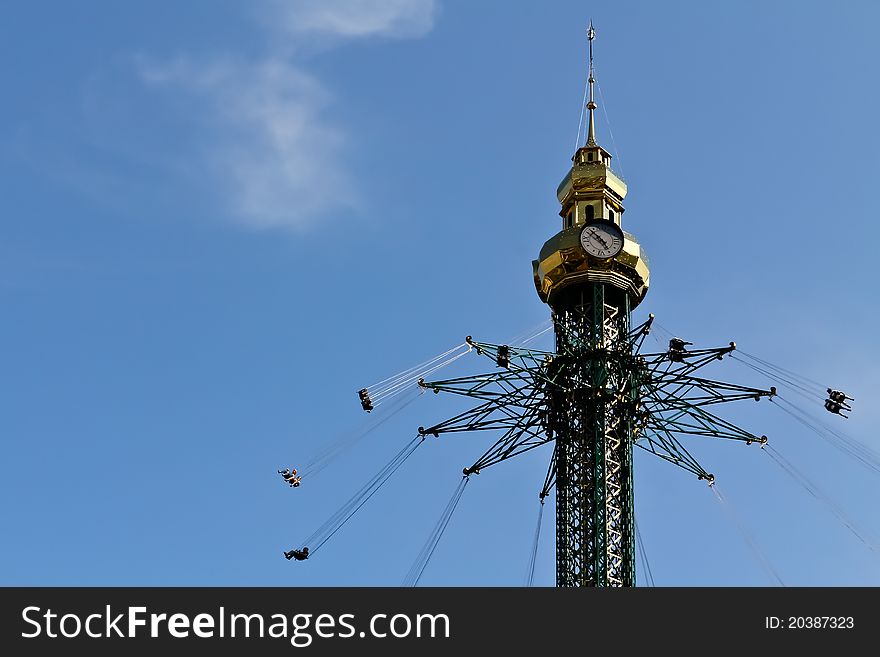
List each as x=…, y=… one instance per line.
x=602, y=239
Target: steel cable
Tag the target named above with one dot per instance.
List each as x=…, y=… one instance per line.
x=424, y=557
x=533, y=555
x=333, y=524
x=737, y=522
x=819, y=495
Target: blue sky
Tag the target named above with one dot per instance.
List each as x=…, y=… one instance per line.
x=218, y=220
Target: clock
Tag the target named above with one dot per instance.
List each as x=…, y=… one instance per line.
x=602, y=239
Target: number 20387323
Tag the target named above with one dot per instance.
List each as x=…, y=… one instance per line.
x=809, y=622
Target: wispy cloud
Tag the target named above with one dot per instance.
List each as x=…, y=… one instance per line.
x=279, y=161
x=277, y=155
x=358, y=18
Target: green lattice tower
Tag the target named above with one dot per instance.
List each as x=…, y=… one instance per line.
x=591, y=413
x=592, y=274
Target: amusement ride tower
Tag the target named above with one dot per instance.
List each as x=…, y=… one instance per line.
x=592, y=274
x=596, y=396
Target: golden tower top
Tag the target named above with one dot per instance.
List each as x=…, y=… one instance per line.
x=591, y=190
x=592, y=246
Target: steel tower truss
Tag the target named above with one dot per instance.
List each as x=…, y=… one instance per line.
x=595, y=398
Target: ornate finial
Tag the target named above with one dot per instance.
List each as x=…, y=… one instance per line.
x=591, y=105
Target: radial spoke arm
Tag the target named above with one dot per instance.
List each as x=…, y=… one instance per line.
x=511, y=387
x=639, y=333
x=703, y=392
x=527, y=436
x=699, y=422
x=550, y=478
x=523, y=428
x=684, y=362
x=664, y=444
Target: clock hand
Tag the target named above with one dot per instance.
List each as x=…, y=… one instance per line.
x=593, y=233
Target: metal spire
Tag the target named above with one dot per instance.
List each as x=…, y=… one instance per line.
x=591, y=105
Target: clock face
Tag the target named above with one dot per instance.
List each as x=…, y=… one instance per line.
x=602, y=239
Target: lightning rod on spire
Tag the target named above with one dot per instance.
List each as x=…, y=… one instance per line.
x=591, y=105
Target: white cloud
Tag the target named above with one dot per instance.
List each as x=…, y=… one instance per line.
x=358, y=18
x=278, y=159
